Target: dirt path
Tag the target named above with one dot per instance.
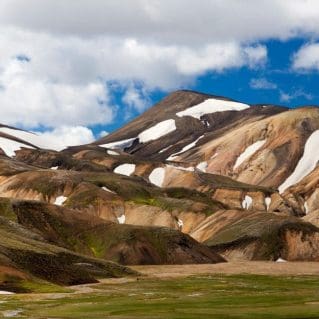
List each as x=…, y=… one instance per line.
x=251, y=267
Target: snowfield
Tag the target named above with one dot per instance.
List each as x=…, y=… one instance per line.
x=267, y=202
x=202, y=166
x=248, y=152
x=108, y=190
x=29, y=137
x=121, y=219
x=110, y=152
x=157, y=176
x=247, y=202
x=3, y=292
x=184, y=149
x=212, y=106
x=125, y=169
x=9, y=146
x=120, y=144
x=157, y=131
x=306, y=164
x=60, y=200
x=181, y=168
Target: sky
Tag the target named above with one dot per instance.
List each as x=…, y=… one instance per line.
x=76, y=70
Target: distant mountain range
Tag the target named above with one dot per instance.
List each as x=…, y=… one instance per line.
x=197, y=178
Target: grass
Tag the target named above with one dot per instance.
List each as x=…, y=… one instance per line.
x=205, y=296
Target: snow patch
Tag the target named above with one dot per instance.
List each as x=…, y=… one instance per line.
x=181, y=168
x=121, y=219
x=248, y=152
x=202, y=166
x=247, y=202
x=108, y=190
x=157, y=131
x=212, y=106
x=180, y=223
x=267, y=202
x=29, y=137
x=306, y=208
x=125, y=169
x=11, y=313
x=157, y=176
x=306, y=164
x=121, y=145
x=280, y=260
x=60, y=200
x=110, y=152
x=10, y=147
x=54, y=167
x=184, y=149
x=215, y=155
x=165, y=149
x=3, y=292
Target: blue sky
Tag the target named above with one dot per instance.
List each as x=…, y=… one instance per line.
x=104, y=62
x=278, y=83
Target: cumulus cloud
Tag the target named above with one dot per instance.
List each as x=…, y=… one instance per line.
x=172, y=21
x=287, y=97
x=262, y=84
x=64, y=136
x=136, y=97
x=54, y=72
x=307, y=58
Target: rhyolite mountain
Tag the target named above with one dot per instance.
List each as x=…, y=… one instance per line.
x=197, y=178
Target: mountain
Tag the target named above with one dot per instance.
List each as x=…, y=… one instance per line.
x=197, y=178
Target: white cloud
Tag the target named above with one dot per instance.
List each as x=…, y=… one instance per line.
x=64, y=136
x=262, y=83
x=170, y=21
x=65, y=62
x=136, y=98
x=307, y=58
x=287, y=97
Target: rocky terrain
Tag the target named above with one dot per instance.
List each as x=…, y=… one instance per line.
x=195, y=179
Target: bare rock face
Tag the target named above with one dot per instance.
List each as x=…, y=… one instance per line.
x=248, y=235
x=194, y=173
x=126, y=244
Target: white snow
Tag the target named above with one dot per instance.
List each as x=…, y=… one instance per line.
x=181, y=168
x=9, y=146
x=157, y=131
x=157, y=176
x=247, y=202
x=125, y=169
x=215, y=155
x=11, y=313
x=280, y=260
x=107, y=190
x=306, y=208
x=267, y=202
x=54, y=167
x=180, y=223
x=3, y=292
x=165, y=149
x=306, y=164
x=202, y=166
x=184, y=149
x=60, y=200
x=29, y=137
x=121, y=219
x=248, y=152
x=212, y=106
x=120, y=144
x=110, y=152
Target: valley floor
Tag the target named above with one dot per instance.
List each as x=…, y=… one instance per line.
x=231, y=290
